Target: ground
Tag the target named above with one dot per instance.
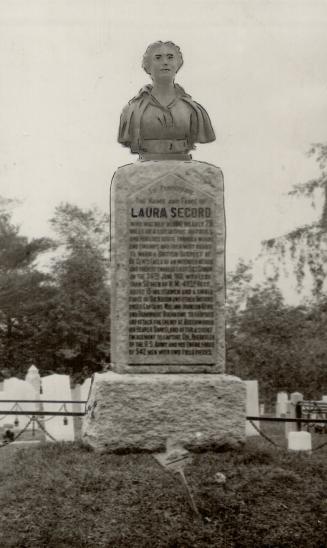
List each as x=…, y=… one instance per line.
x=65, y=495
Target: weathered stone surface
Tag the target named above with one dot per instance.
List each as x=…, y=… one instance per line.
x=139, y=412
x=168, y=271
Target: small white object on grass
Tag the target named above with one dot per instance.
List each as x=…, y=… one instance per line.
x=220, y=478
x=299, y=441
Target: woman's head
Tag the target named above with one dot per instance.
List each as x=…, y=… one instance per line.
x=156, y=47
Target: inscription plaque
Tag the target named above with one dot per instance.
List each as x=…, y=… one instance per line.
x=171, y=231
x=168, y=268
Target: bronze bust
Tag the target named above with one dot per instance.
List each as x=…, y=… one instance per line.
x=162, y=120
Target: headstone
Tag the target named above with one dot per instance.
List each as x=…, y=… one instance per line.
x=57, y=387
x=252, y=407
x=167, y=281
x=295, y=397
x=281, y=404
x=17, y=389
x=76, y=392
x=324, y=399
x=299, y=441
x=34, y=379
x=80, y=392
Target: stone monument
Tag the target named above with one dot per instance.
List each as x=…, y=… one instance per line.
x=168, y=281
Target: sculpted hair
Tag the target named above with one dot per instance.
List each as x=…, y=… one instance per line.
x=146, y=63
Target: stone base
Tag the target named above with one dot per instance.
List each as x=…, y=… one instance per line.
x=135, y=412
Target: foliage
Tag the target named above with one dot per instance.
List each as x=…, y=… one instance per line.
x=272, y=499
x=59, y=320
x=78, y=317
x=239, y=284
x=305, y=248
x=281, y=346
x=23, y=290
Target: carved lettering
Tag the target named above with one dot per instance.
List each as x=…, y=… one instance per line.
x=171, y=279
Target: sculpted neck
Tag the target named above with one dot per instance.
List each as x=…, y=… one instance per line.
x=164, y=92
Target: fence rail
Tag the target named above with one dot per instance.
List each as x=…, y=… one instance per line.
x=285, y=419
x=43, y=401
x=43, y=413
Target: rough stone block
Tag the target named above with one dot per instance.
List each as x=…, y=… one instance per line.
x=131, y=412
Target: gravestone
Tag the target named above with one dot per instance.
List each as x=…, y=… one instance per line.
x=17, y=389
x=167, y=282
x=33, y=378
x=282, y=404
x=295, y=398
x=57, y=387
x=299, y=441
x=252, y=407
x=80, y=392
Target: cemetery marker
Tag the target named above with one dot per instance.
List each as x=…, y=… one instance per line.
x=167, y=281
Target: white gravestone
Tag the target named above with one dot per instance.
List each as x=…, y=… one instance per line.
x=291, y=412
x=80, y=392
x=252, y=407
x=57, y=387
x=17, y=389
x=281, y=404
x=299, y=441
x=34, y=379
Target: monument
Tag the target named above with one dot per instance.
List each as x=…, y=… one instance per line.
x=168, y=281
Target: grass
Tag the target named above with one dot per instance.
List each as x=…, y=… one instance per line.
x=65, y=495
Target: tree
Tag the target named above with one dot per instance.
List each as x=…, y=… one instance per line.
x=283, y=347
x=23, y=292
x=305, y=247
x=77, y=321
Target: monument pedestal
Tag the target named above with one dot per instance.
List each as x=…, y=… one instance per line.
x=167, y=315
x=134, y=412
x=168, y=268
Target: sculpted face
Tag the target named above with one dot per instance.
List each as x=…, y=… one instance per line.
x=164, y=63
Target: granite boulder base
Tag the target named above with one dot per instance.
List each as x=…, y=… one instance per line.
x=168, y=268
x=127, y=412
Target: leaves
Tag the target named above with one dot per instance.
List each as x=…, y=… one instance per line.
x=303, y=251
x=80, y=312
x=59, y=320
x=283, y=347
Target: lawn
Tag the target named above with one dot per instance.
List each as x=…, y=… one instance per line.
x=65, y=495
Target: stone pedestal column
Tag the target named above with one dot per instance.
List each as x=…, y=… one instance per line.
x=168, y=268
x=167, y=314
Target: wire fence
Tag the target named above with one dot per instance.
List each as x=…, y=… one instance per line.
x=299, y=421
x=37, y=419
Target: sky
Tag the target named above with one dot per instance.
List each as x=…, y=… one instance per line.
x=67, y=68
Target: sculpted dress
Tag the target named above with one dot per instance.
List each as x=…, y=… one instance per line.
x=148, y=126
